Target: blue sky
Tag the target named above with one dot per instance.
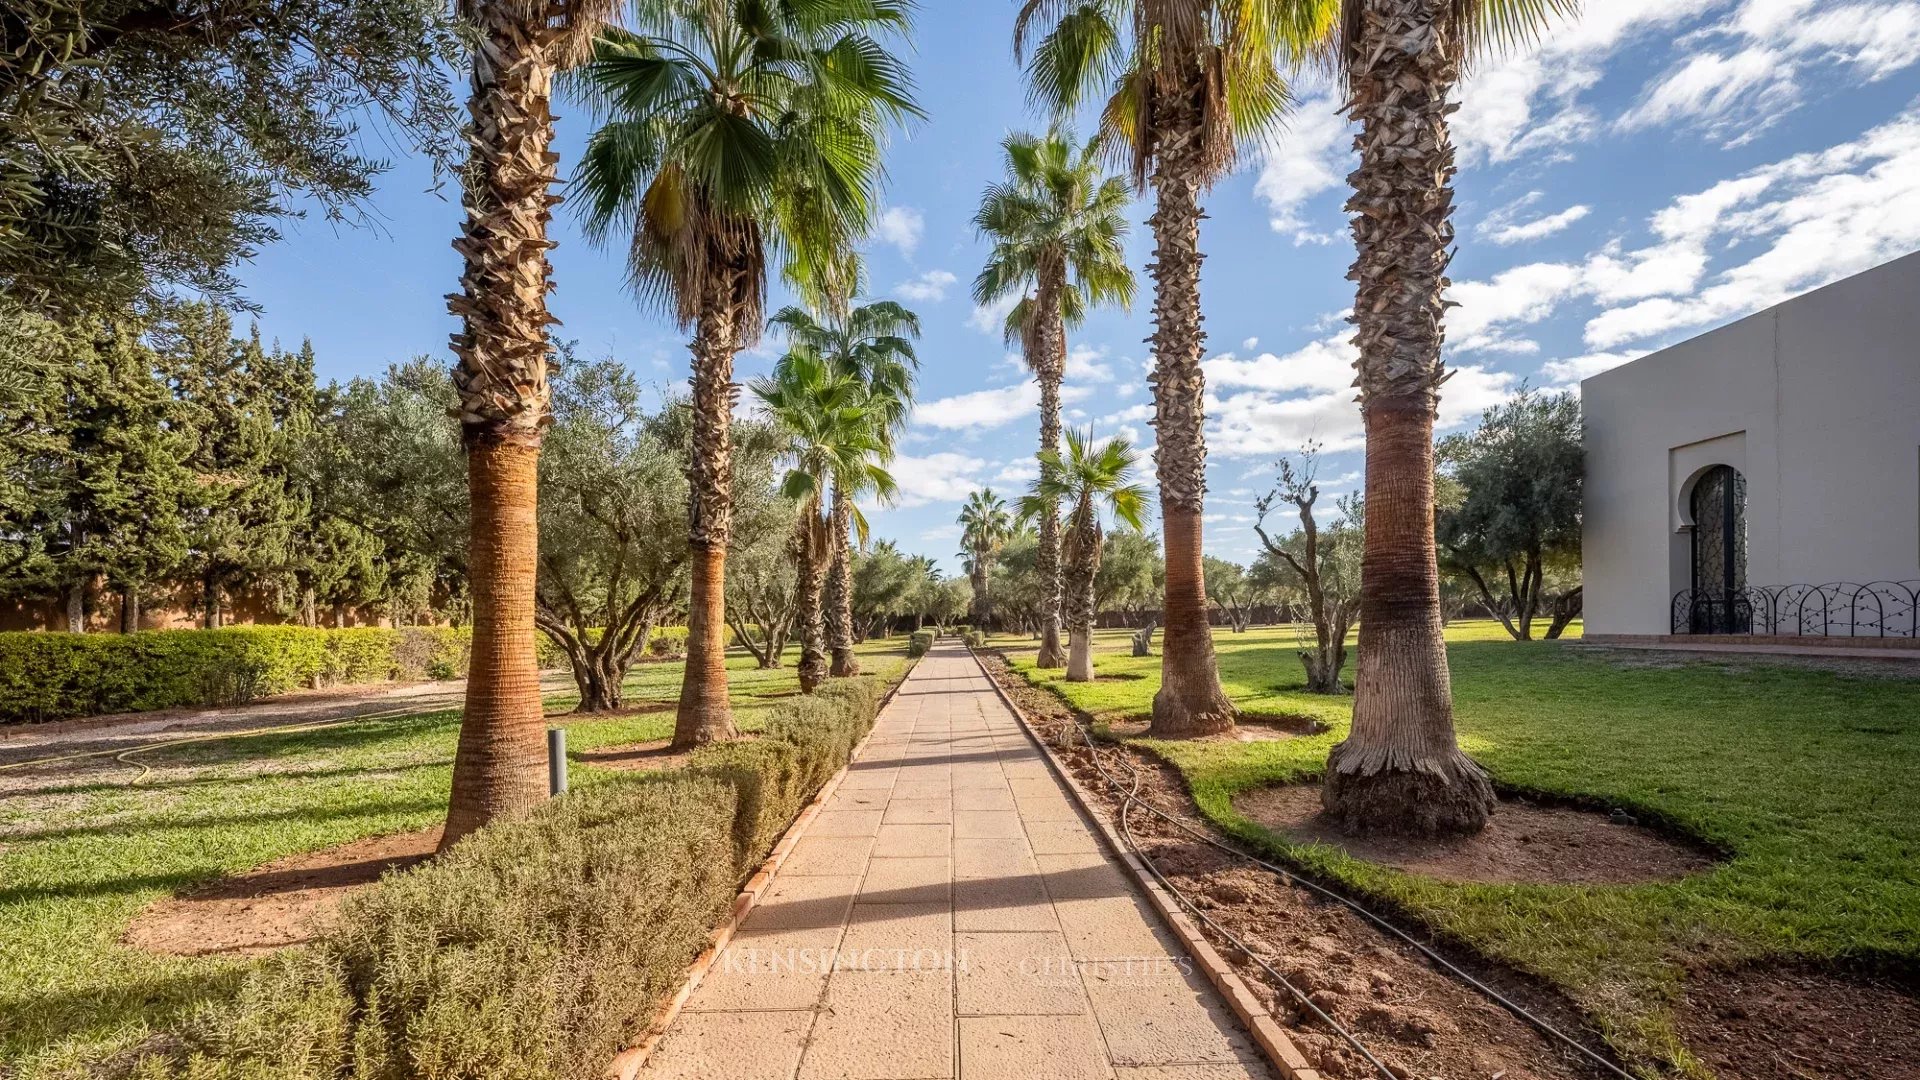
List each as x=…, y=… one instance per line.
x=1649, y=171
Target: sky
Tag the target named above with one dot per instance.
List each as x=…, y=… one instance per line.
x=1645, y=172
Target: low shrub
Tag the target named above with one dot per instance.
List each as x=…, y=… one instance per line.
x=919, y=643
x=976, y=639
x=538, y=947
x=52, y=676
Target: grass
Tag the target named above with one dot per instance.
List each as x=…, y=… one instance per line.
x=1805, y=778
x=82, y=854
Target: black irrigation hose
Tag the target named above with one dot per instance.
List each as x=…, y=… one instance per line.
x=1132, y=797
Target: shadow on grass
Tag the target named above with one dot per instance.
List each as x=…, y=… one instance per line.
x=310, y=814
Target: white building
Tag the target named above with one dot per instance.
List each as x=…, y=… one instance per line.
x=1764, y=478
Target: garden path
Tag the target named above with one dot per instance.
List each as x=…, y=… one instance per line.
x=948, y=914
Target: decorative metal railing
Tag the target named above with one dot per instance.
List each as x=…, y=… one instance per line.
x=1836, y=609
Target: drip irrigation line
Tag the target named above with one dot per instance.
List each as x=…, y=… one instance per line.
x=1132, y=798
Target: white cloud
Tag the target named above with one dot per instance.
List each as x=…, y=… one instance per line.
x=1307, y=159
x=942, y=534
x=1572, y=369
x=1250, y=344
x=1823, y=216
x=1126, y=390
x=989, y=408
x=1497, y=119
x=1088, y=363
x=939, y=477
x=1132, y=414
x=1520, y=295
x=900, y=226
x=1709, y=87
x=1020, y=471
x=1262, y=424
x=992, y=318
x=930, y=286
x=1501, y=226
x=1320, y=365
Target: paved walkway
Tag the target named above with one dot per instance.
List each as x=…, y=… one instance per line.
x=949, y=915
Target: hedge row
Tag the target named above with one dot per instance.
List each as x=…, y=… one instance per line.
x=919, y=643
x=537, y=948
x=45, y=676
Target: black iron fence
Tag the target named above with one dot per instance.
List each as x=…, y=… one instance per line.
x=1836, y=609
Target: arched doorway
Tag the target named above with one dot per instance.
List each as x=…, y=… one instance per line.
x=1719, y=511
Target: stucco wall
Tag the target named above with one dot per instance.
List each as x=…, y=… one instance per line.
x=1815, y=401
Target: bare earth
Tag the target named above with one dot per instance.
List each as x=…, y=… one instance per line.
x=1525, y=843
x=280, y=904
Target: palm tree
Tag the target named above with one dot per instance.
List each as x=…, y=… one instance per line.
x=1085, y=477
x=873, y=343
x=1057, y=223
x=740, y=132
x=836, y=442
x=985, y=525
x=501, y=379
x=1400, y=769
x=1187, y=84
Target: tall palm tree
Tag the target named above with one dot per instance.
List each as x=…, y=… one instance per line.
x=836, y=443
x=1187, y=84
x=501, y=379
x=1400, y=769
x=1057, y=222
x=1086, y=477
x=873, y=343
x=739, y=133
x=985, y=525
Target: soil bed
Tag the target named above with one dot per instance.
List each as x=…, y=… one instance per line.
x=1420, y=1021
x=1524, y=843
x=280, y=904
x=1787, y=1023
x=651, y=756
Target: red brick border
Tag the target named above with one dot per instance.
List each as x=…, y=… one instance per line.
x=1266, y=1031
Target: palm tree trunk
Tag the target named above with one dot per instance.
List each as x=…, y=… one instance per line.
x=501, y=381
x=839, y=592
x=500, y=766
x=706, y=714
x=813, y=633
x=1190, y=701
x=1079, y=605
x=1049, y=368
x=1400, y=769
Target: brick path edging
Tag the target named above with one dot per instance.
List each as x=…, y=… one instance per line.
x=626, y=1065
x=1273, y=1039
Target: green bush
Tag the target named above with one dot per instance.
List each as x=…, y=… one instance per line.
x=919, y=643
x=976, y=639
x=539, y=947
x=50, y=676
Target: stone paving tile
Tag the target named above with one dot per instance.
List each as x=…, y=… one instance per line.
x=883, y=1025
x=736, y=1045
x=946, y=915
x=1031, y=1048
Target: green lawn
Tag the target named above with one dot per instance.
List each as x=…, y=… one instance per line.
x=1806, y=778
x=82, y=851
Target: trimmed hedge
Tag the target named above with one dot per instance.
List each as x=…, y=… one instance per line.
x=919, y=643
x=52, y=676
x=976, y=639
x=539, y=947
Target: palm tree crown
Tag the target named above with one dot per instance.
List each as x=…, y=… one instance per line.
x=872, y=343
x=837, y=439
x=1089, y=477
x=740, y=130
x=985, y=524
x=1057, y=218
x=1224, y=63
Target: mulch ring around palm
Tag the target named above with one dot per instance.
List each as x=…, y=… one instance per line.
x=273, y=906
x=1525, y=842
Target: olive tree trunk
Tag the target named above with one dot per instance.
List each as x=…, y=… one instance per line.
x=1400, y=770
